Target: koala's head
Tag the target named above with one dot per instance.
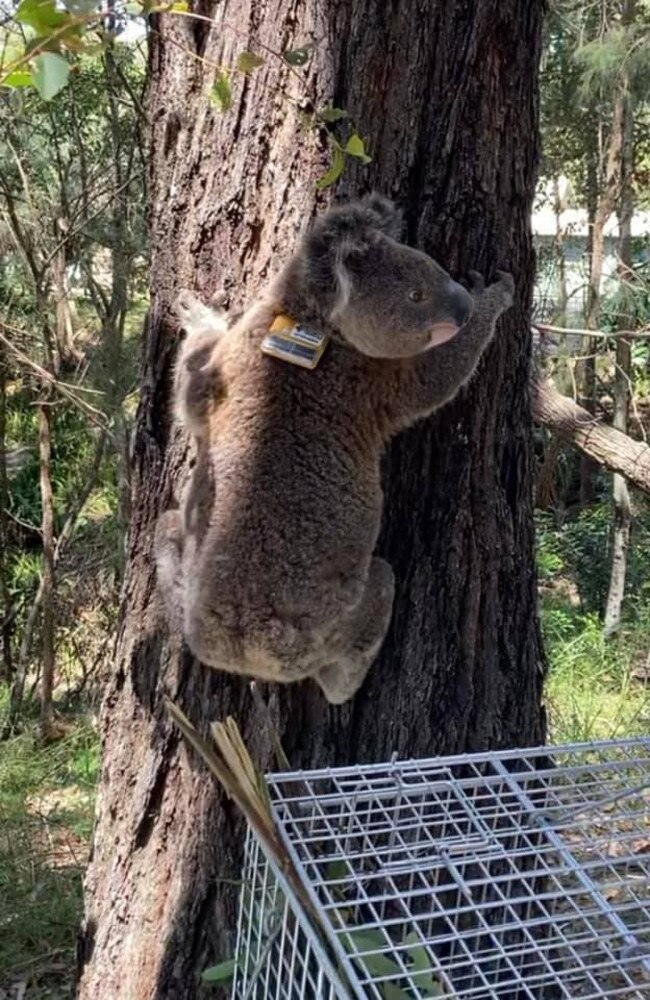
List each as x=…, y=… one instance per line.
x=386, y=299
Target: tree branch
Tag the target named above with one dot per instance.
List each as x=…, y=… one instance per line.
x=607, y=446
x=644, y=332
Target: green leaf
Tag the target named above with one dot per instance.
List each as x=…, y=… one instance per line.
x=331, y=114
x=221, y=93
x=379, y=964
x=19, y=78
x=336, y=871
x=133, y=7
x=355, y=147
x=248, y=61
x=41, y=15
x=335, y=169
x=50, y=74
x=219, y=973
x=180, y=7
x=297, y=57
x=420, y=970
x=81, y=6
x=390, y=991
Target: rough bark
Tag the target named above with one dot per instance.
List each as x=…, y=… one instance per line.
x=445, y=96
x=604, y=445
x=545, y=478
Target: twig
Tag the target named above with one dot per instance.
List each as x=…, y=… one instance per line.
x=48, y=378
x=641, y=334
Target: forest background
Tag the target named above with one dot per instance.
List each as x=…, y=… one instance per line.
x=73, y=299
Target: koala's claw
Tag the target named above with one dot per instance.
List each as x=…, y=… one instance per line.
x=477, y=282
x=194, y=314
x=186, y=304
x=506, y=284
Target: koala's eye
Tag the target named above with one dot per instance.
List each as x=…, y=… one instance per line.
x=416, y=295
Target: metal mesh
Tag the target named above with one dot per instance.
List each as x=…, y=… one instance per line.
x=522, y=875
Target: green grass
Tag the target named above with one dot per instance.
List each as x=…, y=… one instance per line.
x=596, y=687
x=46, y=814
x=592, y=690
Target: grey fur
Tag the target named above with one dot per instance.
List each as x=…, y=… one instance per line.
x=268, y=568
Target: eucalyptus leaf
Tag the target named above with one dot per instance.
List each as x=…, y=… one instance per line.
x=331, y=114
x=335, y=169
x=19, y=78
x=41, y=15
x=50, y=74
x=81, y=6
x=297, y=57
x=248, y=61
x=355, y=147
x=377, y=964
x=420, y=971
x=336, y=871
x=221, y=94
x=219, y=973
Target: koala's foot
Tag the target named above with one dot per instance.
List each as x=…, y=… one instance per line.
x=197, y=317
x=340, y=680
x=342, y=677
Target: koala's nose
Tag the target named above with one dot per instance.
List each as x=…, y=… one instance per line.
x=459, y=303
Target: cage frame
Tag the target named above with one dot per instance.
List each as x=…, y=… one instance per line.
x=340, y=978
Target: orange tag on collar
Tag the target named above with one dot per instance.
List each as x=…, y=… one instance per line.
x=282, y=322
x=294, y=344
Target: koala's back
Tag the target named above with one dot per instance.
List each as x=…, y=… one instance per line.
x=294, y=459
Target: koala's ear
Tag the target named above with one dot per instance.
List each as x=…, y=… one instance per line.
x=350, y=254
x=388, y=216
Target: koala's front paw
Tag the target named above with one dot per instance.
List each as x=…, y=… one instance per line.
x=188, y=308
x=194, y=315
x=500, y=292
x=504, y=288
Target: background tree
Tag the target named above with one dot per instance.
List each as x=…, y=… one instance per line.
x=446, y=104
x=71, y=208
x=595, y=134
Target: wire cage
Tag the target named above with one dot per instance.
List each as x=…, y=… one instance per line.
x=519, y=875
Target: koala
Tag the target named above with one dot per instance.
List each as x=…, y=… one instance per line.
x=268, y=567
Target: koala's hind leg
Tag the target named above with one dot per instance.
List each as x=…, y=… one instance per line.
x=198, y=385
x=168, y=550
x=341, y=678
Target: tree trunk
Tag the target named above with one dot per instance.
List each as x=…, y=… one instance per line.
x=622, y=510
x=7, y=668
x=68, y=355
x=586, y=368
x=545, y=494
x=447, y=104
x=606, y=204
x=562, y=296
x=47, y=575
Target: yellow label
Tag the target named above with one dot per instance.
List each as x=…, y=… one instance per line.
x=282, y=322
x=291, y=343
